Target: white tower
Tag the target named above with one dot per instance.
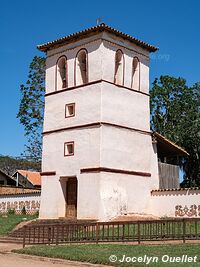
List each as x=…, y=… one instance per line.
x=98, y=160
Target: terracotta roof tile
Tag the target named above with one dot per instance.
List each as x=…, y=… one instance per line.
x=96, y=29
x=35, y=192
x=175, y=189
x=33, y=177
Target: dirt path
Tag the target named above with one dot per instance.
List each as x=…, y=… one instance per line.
x=19, y=260
x=7, y=247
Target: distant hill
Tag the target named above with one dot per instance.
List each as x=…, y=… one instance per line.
x=10, y=164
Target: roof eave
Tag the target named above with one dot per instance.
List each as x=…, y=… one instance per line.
x=182, y=151
x=99, y=28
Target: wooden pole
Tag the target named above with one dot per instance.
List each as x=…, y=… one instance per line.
x=138, y=232
x=184, y=230
x=97, y=233
x=24, y=236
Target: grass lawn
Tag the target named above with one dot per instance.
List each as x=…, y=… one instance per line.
x=100, y=253
x=160, y=228
x=148, y=231
x=9, y=222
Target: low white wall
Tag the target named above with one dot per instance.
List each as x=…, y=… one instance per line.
x=31, y=202
x=176, y=203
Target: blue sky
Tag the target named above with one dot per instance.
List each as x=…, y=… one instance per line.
x=173, y=26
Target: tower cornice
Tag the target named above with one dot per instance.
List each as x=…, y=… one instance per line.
x=96, y=125
x=94, y=82
x=92, y=31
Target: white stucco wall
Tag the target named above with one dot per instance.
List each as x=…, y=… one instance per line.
x=87, y=107
x=178, y=203
x=125, y=149
x=93, y=104
x=86, y=151
x=86, y=154
x=31, y=202
x=110, y=46
x=104, y=196
x=154, y=167
x=100, y=195
x=123, y=194
x=50, y=190
x=125, y=107
x=101, y=58
x=92, y=45
x=89, y=196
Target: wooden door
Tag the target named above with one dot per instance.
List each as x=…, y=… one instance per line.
x=71, y=198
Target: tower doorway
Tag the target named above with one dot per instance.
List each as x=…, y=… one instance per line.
x=71, y=198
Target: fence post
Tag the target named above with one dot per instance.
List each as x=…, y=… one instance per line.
x=138, y=232
x=184, y=230
x=97, y=232
x=196, y=228
x=24, y=236
x=49, y=235
x=123, y=233
x=57, y=233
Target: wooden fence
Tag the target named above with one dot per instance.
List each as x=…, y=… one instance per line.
x=168, y=176
x=130, y=231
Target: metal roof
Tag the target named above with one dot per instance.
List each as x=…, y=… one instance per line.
x=91, y=31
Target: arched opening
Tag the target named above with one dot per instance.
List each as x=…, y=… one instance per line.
x=61, y=73
x=119, y=68
x=81, y=67
x=135, y=84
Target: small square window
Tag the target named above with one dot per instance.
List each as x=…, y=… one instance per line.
x=69, y=149
x=69, y=110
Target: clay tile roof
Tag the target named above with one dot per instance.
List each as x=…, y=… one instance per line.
x=35, y=192
x=93, y=30
x=33, y=177
x=166, y=141
x=175, y=189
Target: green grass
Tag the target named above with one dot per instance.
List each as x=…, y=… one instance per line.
x=8, y=223
x=160, y=228
x=147, y=231
x=100, y=253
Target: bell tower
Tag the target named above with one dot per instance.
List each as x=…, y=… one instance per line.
x=98, y=159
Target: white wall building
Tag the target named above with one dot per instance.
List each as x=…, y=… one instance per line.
x=98, y=161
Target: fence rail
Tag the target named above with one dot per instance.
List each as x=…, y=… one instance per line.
x=129, y=231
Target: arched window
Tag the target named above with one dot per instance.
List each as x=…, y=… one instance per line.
x=81, y=67
x=61, y=73
x=135, y=84
x=119, y=68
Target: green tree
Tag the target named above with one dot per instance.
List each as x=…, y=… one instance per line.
x=175, y=113
x=31, y=109
x=10, y=164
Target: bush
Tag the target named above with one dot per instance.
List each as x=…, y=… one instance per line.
x=11, y=211
x=23, y=210
x=37, y=213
